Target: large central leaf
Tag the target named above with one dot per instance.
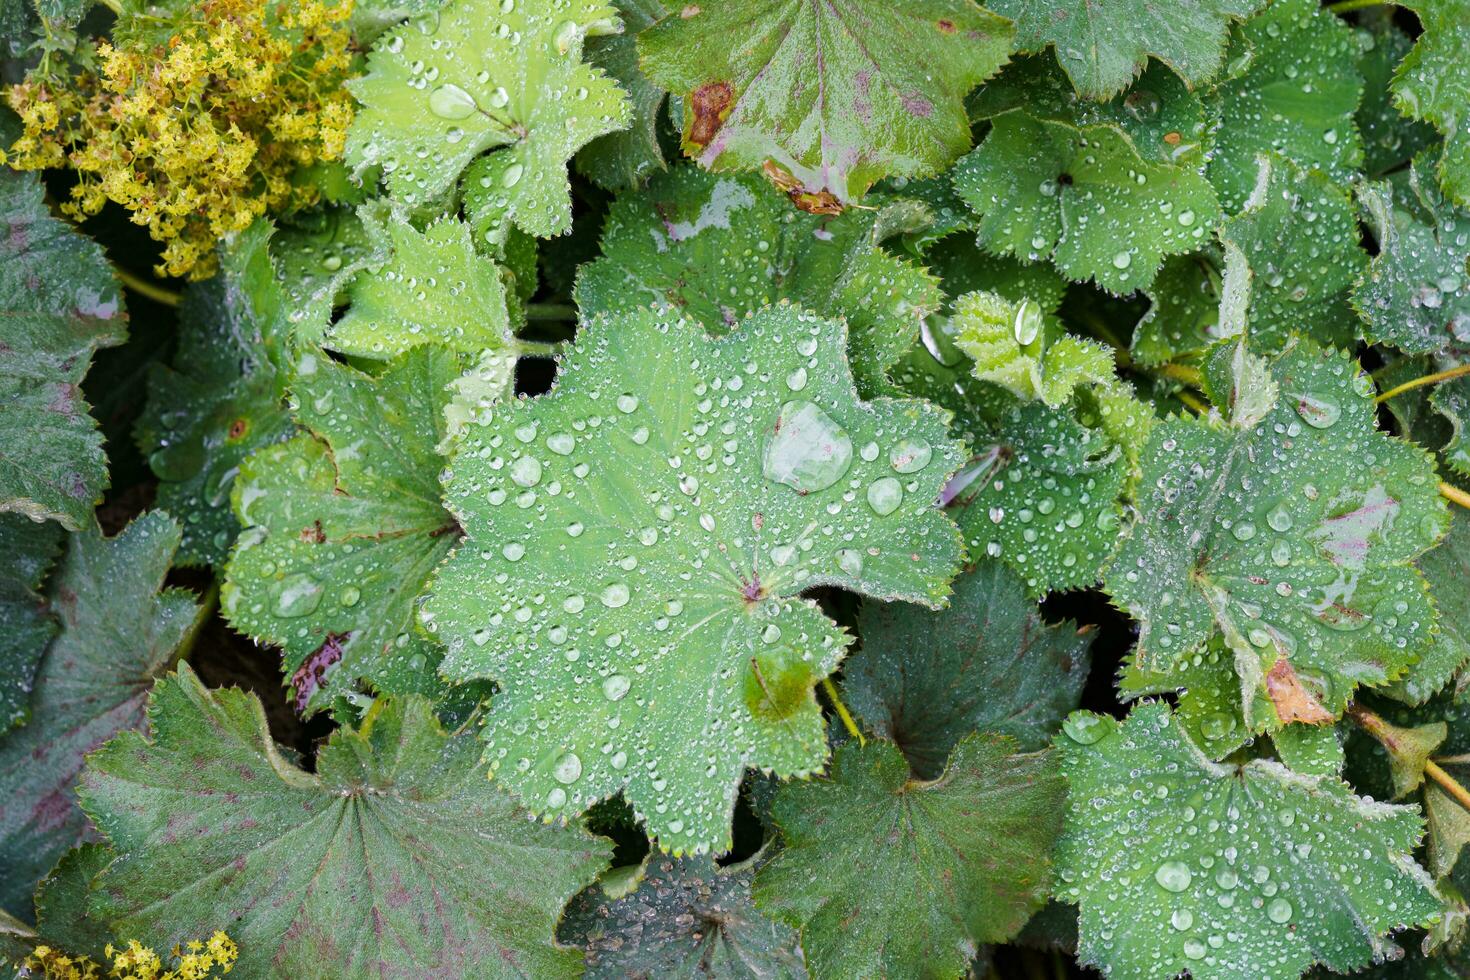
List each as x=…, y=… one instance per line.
x=636, y=542
x=395, y=858
x=1289, y=528
x=839, y=94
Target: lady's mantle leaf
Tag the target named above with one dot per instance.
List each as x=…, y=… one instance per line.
x=1447, y=570
x=838, y=95
x=1183, y=316
x=118, y=632
x=1431, y=85
x=688, y=918
x=720, y=248
x=1299, y=236
x=1254, y=526
x=1390, y=140
x=636, y=542
x=344, y=526
x=315, y=260
x=965, y=859
x=1298, y=98
x=223, y=398
x=1014, y=346
x=395, y=858
x=27, y=549
x=1416, y=294
x=1084, y=198
x=1105, y=45
x=58, y=304
x=486, y=75
x=626, y=158
x=1227, y=872
x=987, y=663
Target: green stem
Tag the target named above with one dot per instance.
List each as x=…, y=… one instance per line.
x=1454, y=494
x=830, y=690
x=113, y=5
x=207, y=606
x=1373, y=725
x=551, y=311
x=1428, y=379
x=146, y=287
x=542, y=348
x=1343, y=6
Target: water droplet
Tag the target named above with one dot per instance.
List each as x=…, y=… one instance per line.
x=627, y=404
x=512, y=175
x=615, y=595
x=350, y=595
x=885, y=495
x=796, y=380
x=1173, y=876
x=556, y=799
x=615, y=687
x=568, y=769
x=526, y=471
x=1026, y=326
x=1318, y=411
x=451, y=102
x=1122, y=260
x=850, y=561
x=1279, y=517
x=1182, y=919
x=911, y=455
x=297, y=594
x=561, y=443
x=808, y=451
x=1085, y=729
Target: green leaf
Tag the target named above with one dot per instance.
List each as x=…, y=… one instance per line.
x=223, y=398
x=1312, y=750
x=1298, y=98
x=27, y=549
x=478, y=76
x=1225, y=871
x=1014, y=347
x=1299, y=236
x=1446, y=569
x=1253, y=527
x=1430, y=85
x=688, y=918
x=888, y=876
x=627, y=158
x=1183, y=316
x=344, y=526
x=314, y=262
x=1158, y=112
x=672, y=244
x=1389, y=139
x=395, y=858
x=59, y=303
x=1104, y=47
x=838, y=95
x=1416, y=293
x=636, y=541
x=962, y=267
x=1084, y=198
x=987, y=663
x=1450, y=402
x=118, y=632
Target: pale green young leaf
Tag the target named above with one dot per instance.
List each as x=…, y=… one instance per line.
x=1158, y=112
x=224, y=396
x=118, y=632
x=27, y=550
x=1299, y=235
x=838, y=95
x=1084, y=198
x=987, y=663
x=1017, y=348
x=59, y=303
x=482, y=75
x=343, y=527
x=688, y=918
x=718, y=248
x=965, y=858
x=1251, y=526
x=1229, y=872
x=628, y=157
x=396, y=857
x=1431, y=85
x=636, y=543
x=1104, y=46
x=1298, y=98
x=1416, y=293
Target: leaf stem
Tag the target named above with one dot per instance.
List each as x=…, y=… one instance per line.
x=1343, y=6
x=1454, y=494
x=1193, y=402
x=564, y=312
x=1371, y=723
x=146, y=287
x=541, y=348
x=1181, y=372
x=208, y=603
x=1428, y=379
x=830, y=690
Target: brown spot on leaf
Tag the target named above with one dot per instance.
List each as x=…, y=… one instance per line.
x=1173, y=139
x=689, y=11
x=812, y=202
x=313, y=671
x=709, y=104
x=314, y=534
x=946, y=27
x=1292, y=700
x=238, y=428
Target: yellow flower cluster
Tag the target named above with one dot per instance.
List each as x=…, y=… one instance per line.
x=197, y=961
x=200, y=136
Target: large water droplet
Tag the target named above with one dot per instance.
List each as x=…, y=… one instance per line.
x=1084, y=729
x=1026, y=326
x=885, y=495
x=568, y=769
x=1318, y=411
x=1173, y=876
x=297, y=595
x=807, y=451
x=911, y=455
x=615, y=687
x=451, y=102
